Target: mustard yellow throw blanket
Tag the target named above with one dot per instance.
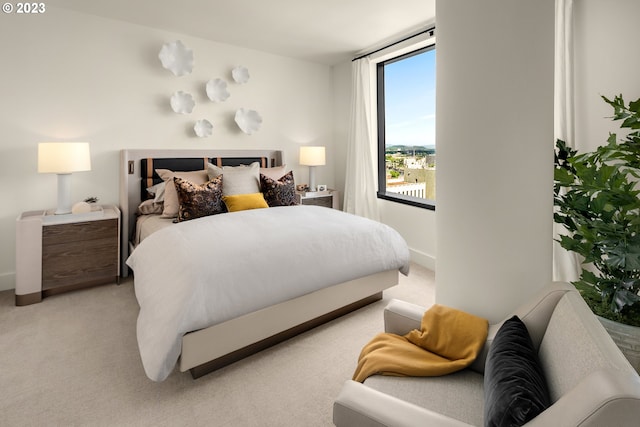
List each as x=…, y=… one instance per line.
x=448, y=341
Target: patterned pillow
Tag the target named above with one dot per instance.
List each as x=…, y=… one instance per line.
x=171, y=203
x=199, y=200
x=281, y=192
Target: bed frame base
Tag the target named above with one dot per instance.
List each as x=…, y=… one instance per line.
x=251, y=349
x=219, y=345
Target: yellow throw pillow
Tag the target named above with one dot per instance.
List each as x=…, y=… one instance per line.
x=241, y=202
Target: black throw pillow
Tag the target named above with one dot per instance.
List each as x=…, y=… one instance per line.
x=515, y=389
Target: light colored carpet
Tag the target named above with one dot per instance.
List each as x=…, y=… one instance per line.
x=73, y=360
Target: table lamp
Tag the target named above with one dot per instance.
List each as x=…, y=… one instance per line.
x=63, y=158
x=312, y=157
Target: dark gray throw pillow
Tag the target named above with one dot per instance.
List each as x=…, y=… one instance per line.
x=515, y=389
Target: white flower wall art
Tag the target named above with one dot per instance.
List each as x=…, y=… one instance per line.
x=176, y=58
x=182, y=102
x=248, y=121
x=203, y=128
x=217, y=90
x=240, y=74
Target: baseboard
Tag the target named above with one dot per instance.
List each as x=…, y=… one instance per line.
x=423, y=259
x=7, y=281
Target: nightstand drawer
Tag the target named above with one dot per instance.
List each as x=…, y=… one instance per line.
x=326, y=201
x=88, y=262
x=79, y=231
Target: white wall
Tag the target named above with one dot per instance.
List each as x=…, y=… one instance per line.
x=416, y=225
x=606, y=63
x=73, y=77
x=341, y=80
x=495, y=152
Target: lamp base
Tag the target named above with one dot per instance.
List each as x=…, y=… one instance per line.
x=64, y=194
x=312, y=178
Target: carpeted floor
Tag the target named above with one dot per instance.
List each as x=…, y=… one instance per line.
x=73, y=360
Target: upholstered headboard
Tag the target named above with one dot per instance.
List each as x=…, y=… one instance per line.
x=137, y=172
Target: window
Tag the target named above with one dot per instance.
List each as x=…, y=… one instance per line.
x=406, y=87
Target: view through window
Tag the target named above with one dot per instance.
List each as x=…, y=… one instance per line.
x=406, y=128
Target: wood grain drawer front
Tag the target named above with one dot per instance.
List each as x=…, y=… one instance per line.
x=83, y=253
x=63, y=233
x=327, y=201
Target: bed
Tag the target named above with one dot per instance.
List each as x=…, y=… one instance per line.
x=216, y=289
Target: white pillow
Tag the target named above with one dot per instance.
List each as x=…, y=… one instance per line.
x=275, y=173
x=157, y=191
x=237, y=179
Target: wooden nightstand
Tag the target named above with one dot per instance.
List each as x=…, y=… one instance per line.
x=59, y=253
x=328, y=199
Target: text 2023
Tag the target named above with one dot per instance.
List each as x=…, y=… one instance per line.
x=30, y=7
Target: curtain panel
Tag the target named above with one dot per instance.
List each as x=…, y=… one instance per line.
x=566, y=265
x=361, y=182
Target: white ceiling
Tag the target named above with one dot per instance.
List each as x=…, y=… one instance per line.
x=324, y=31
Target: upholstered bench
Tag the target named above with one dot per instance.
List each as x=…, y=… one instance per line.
x=590, y=383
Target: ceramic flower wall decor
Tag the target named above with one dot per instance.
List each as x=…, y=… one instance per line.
x=182, y=102
x=248, y=121
x=217, y=90
x=176, y=58
x=240, y=74
x=203, y=128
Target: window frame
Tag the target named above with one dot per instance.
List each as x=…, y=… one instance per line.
x=381, y=127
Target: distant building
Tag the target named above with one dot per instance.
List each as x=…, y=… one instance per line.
x=412, y=176
x=413, y=163
x=417, y=189
x=425, y=162
x=425, y=176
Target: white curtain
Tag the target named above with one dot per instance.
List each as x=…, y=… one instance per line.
x=566, y=266
x=361, y=177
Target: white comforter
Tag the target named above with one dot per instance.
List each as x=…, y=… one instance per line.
x=205, y=271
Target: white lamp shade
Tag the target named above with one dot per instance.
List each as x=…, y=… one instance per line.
x=312, y=156
x=63, y=157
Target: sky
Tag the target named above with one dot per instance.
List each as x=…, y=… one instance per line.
x=410, y=100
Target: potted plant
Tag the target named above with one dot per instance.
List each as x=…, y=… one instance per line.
x=597, y=199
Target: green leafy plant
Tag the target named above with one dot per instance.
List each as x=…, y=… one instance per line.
x=597, y=200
